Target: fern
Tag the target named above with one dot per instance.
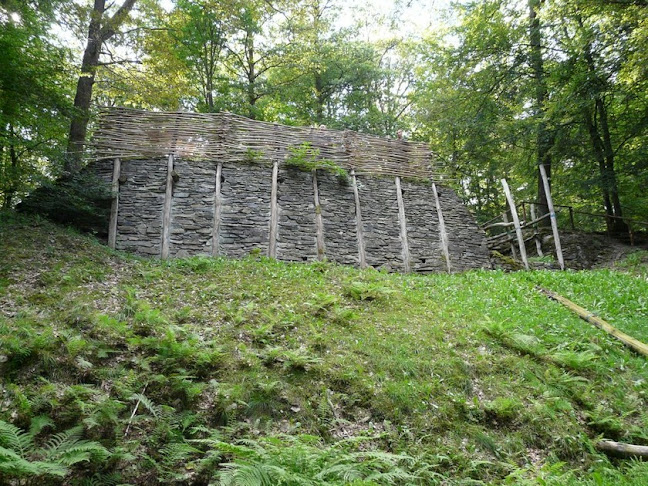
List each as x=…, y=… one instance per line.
x=20, y=457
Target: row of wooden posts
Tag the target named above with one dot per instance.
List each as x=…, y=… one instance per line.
x=518, y=226
x=274, y=215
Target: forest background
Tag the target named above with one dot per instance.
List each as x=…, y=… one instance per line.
x=496, y=87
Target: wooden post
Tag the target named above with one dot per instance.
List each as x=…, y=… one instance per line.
x=571, y=218
x=114, y=207
x=443, y=235
x=538, y=243
x=403, y=226
x=552, y=216
x=524, y=212
x=218, y=205
x=359, y=230
x=508, y=235
x=319, y=222
x=166, y=212
x=516, y=223
x=274, y=212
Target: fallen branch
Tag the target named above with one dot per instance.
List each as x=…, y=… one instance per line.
x=629, y=341
x=622, y=450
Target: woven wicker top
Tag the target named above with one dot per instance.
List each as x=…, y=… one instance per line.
x=131, y=134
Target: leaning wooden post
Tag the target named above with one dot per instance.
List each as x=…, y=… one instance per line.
x=114, y=207
x=516, y=223
x=508, y=235
x=403, y=226
x=274, y=212
x=443, y=235
x=538, y=243
x=218, y=205
x=552, y=216
x=319, y=222
x=359, y=230
x=166, y=211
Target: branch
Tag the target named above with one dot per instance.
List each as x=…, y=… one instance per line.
x=113, y=23
x=121, y=61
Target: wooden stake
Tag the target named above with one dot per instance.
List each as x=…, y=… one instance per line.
x=359, y=231
x=629, y=341
x=403, y=226
x=114, y=207
x=552, y=217
x=166, y=212
x=218, y=203
x=516, y=223
x=274, y=212
x=443, y=235
x=319, y=222
x=538, y=243
x=508, y=234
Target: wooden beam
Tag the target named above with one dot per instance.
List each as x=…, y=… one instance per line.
x=218, y=206
x=552, y=213
x=359, y=230
x=319, y=222
x=274, y=212
x=443, y=235
x=620, y=449
x=403, y=226
x=166, y=211
x=629, y=341
x=114, y=207
x=516, y=222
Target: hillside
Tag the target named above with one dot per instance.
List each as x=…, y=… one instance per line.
x=118, y=370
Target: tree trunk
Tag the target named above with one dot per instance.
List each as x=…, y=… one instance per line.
x=319, y=98
x=603, y=150
x=10, y=192
x=251, y=73
x=597, y=146
x=100, y=30
x=544, y=137
x=608, y=175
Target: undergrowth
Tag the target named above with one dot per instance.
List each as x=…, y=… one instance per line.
x=118, y=370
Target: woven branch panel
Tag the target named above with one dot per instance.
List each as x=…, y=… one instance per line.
x=134, y=134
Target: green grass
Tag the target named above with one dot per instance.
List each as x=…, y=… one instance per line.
x=259, y=372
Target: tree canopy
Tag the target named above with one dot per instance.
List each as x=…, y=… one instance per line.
x=502, y=87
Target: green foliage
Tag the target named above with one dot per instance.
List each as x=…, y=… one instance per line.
x=22, y=457
x=34, y=98
x=203, y=370
x=82, y=201
x=306, y=158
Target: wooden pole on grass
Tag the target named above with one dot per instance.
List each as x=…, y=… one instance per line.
x=552, y=217
x=629, y=341
x=516, y=223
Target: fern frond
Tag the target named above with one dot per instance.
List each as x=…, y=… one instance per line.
x=13, y=465
x=38, y=424
x=82, y=451
x=63, y=440
x=14, y=438
x=146, y=403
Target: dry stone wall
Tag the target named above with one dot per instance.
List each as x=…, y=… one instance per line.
x=232, y=216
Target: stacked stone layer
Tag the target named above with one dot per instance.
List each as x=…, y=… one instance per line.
x=245, y=215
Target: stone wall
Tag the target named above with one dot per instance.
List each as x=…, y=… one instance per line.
x=245, y=207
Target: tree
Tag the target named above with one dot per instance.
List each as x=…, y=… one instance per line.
x=101, y=28
x=33, y=98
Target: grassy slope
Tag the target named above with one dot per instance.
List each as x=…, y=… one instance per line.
x=208, y=369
